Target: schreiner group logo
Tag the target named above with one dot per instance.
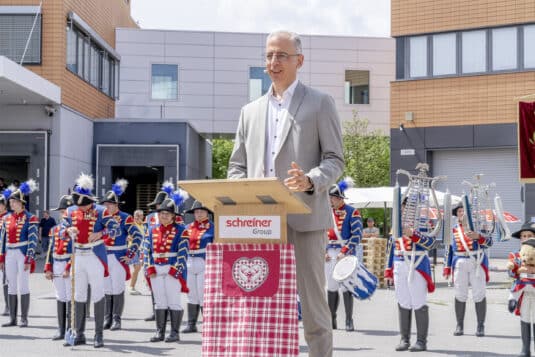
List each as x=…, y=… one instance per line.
x=249, y=227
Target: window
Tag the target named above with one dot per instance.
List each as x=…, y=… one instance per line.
x=529, y=49
x=72, y=37
x=357, y=87
x=91, y=62
x=474, y=51
x=14, y=32
x=259, y=82
x=444, y=54
x=504, y=49
x=418, y=56
x=164, y=82
x=94, y=72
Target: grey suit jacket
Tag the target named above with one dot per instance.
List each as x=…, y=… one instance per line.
x=311, y=137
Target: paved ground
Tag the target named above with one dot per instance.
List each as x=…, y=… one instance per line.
x=376, y=323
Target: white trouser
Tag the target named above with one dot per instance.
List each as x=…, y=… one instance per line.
x=332, y=285
x=527, y=307
x=166, y=289
x=195, y=280
x=413, y=294
x=466, y=274
x=18, y=279
x=61, y=284
x=88, y=270
x=114, y=283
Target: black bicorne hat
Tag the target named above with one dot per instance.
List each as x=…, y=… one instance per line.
x=64, y=202
x=168, y=205
x=527, y=226
x=160, y=197
x=530, y=241
x=198, y=205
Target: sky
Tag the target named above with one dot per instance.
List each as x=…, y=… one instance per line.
x=307, y=17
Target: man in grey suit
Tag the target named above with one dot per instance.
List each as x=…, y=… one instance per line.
x=293, y=133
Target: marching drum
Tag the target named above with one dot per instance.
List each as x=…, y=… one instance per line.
x=354, y=276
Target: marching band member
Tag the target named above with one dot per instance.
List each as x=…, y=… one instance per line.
x=467, y=260
x=57, y=269
x=200, y=233
x=524, y=283
x=119, y=255
x=17, y=251
x=344, y=238
x=412, y=279
x=164, y=257
x=88, y=223
x=151, y=222
x=4, y=197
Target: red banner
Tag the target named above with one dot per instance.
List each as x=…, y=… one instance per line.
x=526, y=140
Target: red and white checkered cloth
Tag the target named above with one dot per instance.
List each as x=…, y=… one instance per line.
x=238, y=322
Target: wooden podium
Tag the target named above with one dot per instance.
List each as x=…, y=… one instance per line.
x=261, y=203
x=250, y=289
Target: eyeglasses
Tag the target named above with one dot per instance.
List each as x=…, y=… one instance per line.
x=280, y=56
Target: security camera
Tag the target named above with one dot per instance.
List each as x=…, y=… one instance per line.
x=50, y=110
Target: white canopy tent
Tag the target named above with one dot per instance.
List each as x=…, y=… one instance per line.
x=382, y=197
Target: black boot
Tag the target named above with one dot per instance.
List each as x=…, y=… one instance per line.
x=161, y=320
x=68, y=316
x=422, y=326
x=12, y=311
x=6, y=302
x=24, y=308
x=151, y=317
x=193, y=315
x=79, y=324
x=88, y=303
x=404, y=328
x=333, y=300
x=62, y=311
x=348, y=305
x=117, y=311
x=108, y=306
x=176, y=319
x=525, y=331
x=99, y=323
x=481, y=313
x=460, y=308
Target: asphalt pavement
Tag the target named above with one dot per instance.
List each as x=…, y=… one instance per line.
x=376, y=325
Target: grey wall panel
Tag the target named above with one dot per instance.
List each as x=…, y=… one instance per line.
x=333, y=42
x=449, y=137
x=495, y=135
x=239, y=39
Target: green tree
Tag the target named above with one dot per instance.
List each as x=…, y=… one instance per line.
x=221, y=150
x=367, y=156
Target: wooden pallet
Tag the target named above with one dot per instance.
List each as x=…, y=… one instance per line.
x=374, y=257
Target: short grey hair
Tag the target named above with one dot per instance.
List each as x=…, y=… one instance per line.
x=292, y=36
x=138, y=211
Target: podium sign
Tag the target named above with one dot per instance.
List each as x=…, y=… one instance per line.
x=247, y=210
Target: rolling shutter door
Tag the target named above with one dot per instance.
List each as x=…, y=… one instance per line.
x=499, y=166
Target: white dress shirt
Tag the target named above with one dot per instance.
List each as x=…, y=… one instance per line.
x=276, y=116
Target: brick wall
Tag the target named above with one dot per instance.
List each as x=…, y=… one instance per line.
x=422, y=16
x=486, y=99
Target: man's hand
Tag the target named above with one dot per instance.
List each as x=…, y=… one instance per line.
x=298, y=181
x=389, y=281
x=48, y=275
x=327, y=257
x=72, y=231
x=125, y=259
x=340, y=256
x=408, y=232
x=152, y=276
x=93, y=237
x=2, y=266
x=473, y=235
x=66, y=274
x=27, y=267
